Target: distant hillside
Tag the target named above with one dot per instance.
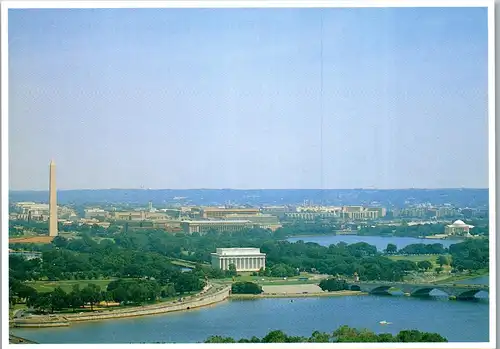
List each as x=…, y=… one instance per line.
x=387, y=198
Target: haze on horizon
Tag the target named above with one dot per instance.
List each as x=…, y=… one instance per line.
x=230, y=98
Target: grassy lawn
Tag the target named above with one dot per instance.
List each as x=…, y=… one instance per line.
x=66, y=285
x=419, y=258
x=265, y=280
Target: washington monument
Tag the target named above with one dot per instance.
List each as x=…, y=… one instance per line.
x=52, y=200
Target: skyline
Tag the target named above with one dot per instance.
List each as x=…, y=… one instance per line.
x=421, y=71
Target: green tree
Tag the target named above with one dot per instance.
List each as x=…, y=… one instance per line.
x=442, y=260
x=319, y=337
x=231, y=270
x=220, y=339
x=391, y=249
x=75, y=298
x=425, y=265
x=91, y=294
x=245, y=288
x=385, y=338
x=58, y=299
x=333, y=284
x=276, y=336
x=188, y=282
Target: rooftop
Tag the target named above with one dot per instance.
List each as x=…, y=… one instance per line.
x=239, y=251
x=218, y=222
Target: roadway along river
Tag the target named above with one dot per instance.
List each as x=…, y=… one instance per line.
x=458, y=321
x=379, y=241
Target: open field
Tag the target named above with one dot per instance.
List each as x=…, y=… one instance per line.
x=32, y=240
x=66, y=285
x=297, y=289
x=266, y=280
x=419, y=258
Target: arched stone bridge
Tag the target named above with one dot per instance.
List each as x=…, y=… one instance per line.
x=459, y=291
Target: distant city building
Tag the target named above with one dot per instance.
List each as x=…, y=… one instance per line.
x=137, y=216
x=172, y=225
x=445, y=212
x=311, y=216
x=265, y=221
x=201, y=227
x=244, y=259
x=363, y=213
x=319, y=209
x=95, y=213
x=278, y=211
x=458, y=228
x=216, y=212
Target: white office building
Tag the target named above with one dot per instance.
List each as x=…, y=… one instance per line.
x=244, y=259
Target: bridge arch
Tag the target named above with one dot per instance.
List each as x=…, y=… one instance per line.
x=469, y=294
x=384, y=289
x=426, y=291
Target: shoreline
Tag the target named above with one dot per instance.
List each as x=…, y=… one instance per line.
x=63, y=320
x=299, y=295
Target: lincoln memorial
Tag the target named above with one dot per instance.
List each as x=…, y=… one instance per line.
x=244, y=259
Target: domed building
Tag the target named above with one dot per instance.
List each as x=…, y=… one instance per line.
x=458, y=228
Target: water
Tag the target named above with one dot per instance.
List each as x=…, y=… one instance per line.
x=458, y=321
x=480, y=280
x=379, y=241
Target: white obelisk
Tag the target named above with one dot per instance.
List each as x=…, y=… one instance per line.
x=52, y=200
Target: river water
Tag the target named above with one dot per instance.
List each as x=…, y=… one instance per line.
x=458, y=321
x=379, y=241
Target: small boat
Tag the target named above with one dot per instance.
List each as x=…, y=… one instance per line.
x=385, y=322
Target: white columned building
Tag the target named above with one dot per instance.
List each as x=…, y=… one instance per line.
x=244, y=259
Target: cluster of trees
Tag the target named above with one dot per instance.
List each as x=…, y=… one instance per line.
x=246, y=287
x=333, y=284
x=149, y=253
x=278, y=270
x=84, y=258
x=57, y=299
x=470, y=255
x=435, y=248
x=129, y=291
x=344, y=334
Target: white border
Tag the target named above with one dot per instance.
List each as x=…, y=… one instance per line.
x=256, y=4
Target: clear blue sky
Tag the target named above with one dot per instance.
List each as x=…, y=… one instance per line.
x=230, y=98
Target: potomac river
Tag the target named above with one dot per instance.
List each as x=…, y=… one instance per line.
x=379, y=241
x=458, y=321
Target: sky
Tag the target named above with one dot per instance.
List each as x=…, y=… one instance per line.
x=248, y=98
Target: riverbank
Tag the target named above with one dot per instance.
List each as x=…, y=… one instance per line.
x=451, y=279
x=212, y=295
x=298, y=295
x=18, y=340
